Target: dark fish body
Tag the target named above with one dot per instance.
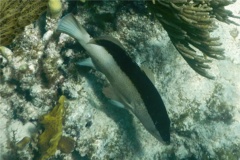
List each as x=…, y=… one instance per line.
x=130, y=84
x=147, y=91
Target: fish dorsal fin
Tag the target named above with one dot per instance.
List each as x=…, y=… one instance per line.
x=107, y=38
x=148, y=73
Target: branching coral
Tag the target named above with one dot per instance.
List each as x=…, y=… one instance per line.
x=220, y=13
x=52, y=122
x=190, y=24
x=15, y=15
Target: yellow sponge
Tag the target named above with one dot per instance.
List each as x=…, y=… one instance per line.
x=52, y=122
x=55, y=8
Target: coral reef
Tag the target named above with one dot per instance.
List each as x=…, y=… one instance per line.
x=15, y=15
x=40, y=65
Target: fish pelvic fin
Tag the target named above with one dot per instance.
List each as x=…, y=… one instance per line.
x=69, y=25
x=87, y=63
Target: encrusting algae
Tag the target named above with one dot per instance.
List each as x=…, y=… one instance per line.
x=52, y=122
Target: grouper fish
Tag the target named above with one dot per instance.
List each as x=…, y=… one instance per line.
x=129, y=85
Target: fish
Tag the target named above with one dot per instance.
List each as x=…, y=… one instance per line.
x=129, y=84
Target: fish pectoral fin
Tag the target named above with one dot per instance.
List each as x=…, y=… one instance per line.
x=116, y=103
x=114, y=99
x=109, y=92
x=86, y=63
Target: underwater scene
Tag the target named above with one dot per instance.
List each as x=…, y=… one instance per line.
x=119, y=80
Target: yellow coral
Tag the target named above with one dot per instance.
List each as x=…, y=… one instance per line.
x=52, y=122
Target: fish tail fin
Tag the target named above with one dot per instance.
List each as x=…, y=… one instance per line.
x=69, y=25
